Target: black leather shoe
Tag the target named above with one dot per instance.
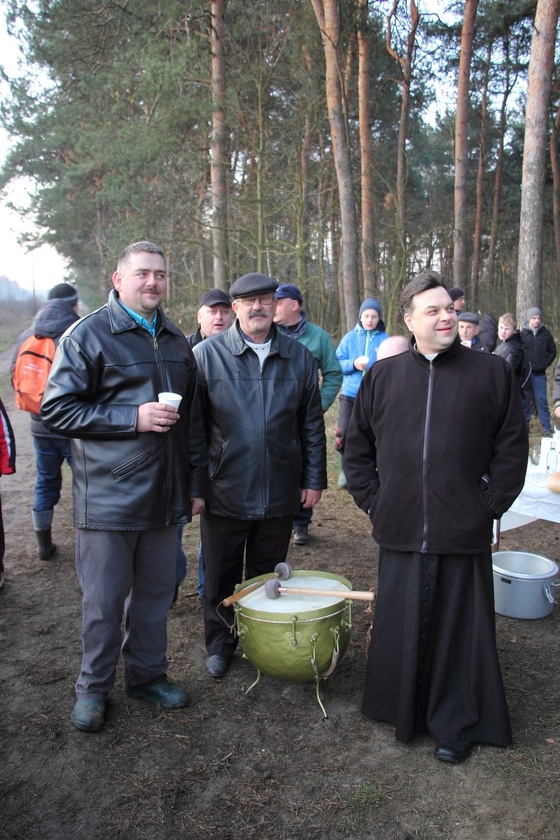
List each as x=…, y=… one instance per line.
x=453, y=751
x=217, y=665
x=300, y=535
x=163, y=694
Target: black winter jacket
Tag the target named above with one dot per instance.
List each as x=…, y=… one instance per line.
x=436, y=450
x=512, y=351
x=266, y=434
x=105, y=367
x=539, y=348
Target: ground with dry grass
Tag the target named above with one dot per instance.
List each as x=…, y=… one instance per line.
x=264, y=765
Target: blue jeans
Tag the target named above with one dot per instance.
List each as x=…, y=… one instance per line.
x=50, y=454
x=538, y=390
x=181, y=564
x=303, y=517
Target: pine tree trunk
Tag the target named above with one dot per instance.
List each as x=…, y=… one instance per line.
x=326, y=12
x=555, y=166
x=461, y=146
x=541, y=63
x=368, y=245
x=477, y=242
x=217, y=148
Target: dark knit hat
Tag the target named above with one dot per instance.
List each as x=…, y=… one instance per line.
x=286, y=290
x=370, y=303
x=532, y=312
x=455, y=293
x=470, y=317
x=214, y=297
x=65, y=292
x=252, y=284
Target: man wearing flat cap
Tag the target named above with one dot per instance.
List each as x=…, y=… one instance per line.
x=469, y=328
x=266, y=450
x=292, y=320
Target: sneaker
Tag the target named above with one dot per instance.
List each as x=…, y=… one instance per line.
x=301, y=535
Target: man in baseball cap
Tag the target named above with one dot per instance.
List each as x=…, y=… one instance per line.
x=214, y=315
x=292, y=320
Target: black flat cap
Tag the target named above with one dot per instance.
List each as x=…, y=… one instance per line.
x=252, y=284
x=471, y=317
x=213, y=297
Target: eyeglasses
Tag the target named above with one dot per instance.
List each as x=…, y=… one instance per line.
x=264, y=300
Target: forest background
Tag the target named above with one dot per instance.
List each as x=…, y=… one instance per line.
x=341, y=146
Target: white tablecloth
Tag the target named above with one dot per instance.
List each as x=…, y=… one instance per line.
x=535, y=501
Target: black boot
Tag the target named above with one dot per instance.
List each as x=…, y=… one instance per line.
x=45, y=546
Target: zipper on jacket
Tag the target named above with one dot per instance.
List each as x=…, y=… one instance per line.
x=424, y=547
x=264, y=447
x=168, y=443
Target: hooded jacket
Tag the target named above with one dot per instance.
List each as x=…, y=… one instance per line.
x=105, y=367
x=436, y=450
x=319, y=343
x=265, y=428
x=358, y=342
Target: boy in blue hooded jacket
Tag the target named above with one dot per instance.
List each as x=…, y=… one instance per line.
x=357, y=352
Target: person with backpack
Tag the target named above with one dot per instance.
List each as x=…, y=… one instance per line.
x=30, y=369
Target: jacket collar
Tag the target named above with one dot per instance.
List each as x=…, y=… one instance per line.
x=442, y=357
x=121, y=321
x=238, y=346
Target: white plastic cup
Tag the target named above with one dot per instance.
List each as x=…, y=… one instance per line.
x=169, y=398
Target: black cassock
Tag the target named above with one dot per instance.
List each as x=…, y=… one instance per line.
x=433, y=664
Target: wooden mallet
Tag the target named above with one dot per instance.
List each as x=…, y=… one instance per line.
x=282, y=571
x=273, y=589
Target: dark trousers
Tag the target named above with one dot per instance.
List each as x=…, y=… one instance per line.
x=345, y=406
x=432, y=663
x=263, y=543
x=130, y=574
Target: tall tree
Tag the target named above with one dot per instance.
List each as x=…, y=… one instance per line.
x=368, y=244
x=480, y=178
x=541, y=63
x=405, y=63
x=327, y=14
x=555, y=167
x=218, y=155
x=460, y=237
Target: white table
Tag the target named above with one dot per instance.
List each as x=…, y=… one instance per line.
x=534, y=502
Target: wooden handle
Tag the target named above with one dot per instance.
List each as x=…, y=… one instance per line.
x=227, y=602
x=331, y=593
